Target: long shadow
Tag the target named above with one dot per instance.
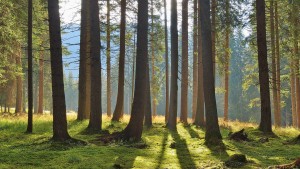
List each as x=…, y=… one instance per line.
x=192, y=132
x=182, y=151
x=163, y=149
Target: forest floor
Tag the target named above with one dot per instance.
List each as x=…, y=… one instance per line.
x=160, y=148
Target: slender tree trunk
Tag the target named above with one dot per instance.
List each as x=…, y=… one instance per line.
x=96, y=108
x=296, y=53
x=212, y=134
x=167, y=63
x=148, y=111
x=35, y=94
x=41, y=84
x=213, y=33
x=108, y=61
x=293, y=94
x=120, y=98
x=185, y=64
x=265, y=123
x=153, y=62
x=19, y=96
x=195, y=60
x=274, y=76
x=227, y=60
x=60, y=131
x=199, y=119
x=135, y=127
x=83, y=107
x=174, y=68
x=29, y=50
x=277, y=61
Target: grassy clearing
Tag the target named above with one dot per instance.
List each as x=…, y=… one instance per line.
x=20, y=150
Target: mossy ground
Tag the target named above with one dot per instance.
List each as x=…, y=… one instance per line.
x=21, y=150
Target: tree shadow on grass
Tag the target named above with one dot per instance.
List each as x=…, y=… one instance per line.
x=192, y=132
x=182, y=151
x=163, y=149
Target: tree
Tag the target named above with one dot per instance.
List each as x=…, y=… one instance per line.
x=134, y=129
x=84, y=64
x=19, y=96
x=213, y=33
x=184, y=72
x=199, y=118
x=212, y=134
x=148, y=111
x=174, y=68
x=41, y=83
x=195, y=60
x=29, y=50
x=166, y=62
x=60, y=131
x=96, y=108
x=227, y=60
x=120, y=98
x=277, y=116
x=108, y=61
x=265, y=122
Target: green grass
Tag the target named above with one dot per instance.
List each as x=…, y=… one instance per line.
x=20, y=150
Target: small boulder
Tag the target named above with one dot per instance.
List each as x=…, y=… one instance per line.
x=236, y=160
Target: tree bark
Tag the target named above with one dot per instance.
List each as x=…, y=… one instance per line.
x=60, y=132
x=265, y=122
x=213, y=33
x=41, y=83
x=96, y=108
x=277, y=61
x=274, y=76
x=120, y=98
x=199, y=119
x=293, y=94
x=174, y=68
x=296, y=53
x=29, y=50
x=212, y=134
x=227, y=60
x=134, y=129
x=148, y=111
x=167, y=63
x=19, y=96
x=108, y=61
x=185, y=64
x=84, y=80
x=195, y=60
x=153, y=62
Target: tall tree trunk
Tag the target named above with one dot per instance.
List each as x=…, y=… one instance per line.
x=120, y=98
x=213, y=33
x=296, y=53
x=60, y=131
x=277, y=61
x=195, y=60
x=293, y=94
x=199, y=119
x=274, y=76
x=96, y=108
x=167, y=63
x=29, y=50
x=84, y=79
x=148, y=111
x=185, y=64
x=135, y=127
x=41, y=84
x=108, y=61
x=35, y=94
x=153, y=61
x=227, y=60
x=174, y=68
x=265, y=122
x=19, y=96
x=212, y=134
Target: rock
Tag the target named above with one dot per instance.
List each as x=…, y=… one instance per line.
x=236, y=160
x=264, y=140
x=173, y=145
x=239, y=136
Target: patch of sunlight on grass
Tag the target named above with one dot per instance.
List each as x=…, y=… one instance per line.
x=20, y=150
